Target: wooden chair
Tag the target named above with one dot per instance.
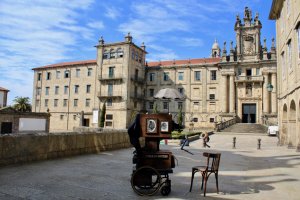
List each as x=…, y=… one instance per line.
x=212, y=166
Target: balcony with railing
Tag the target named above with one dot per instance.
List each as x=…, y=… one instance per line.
x=110, y=95
x=110, y=77
x=137, y=97
x=249, y=79
x=138, y=80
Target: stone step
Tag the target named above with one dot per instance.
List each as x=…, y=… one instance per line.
x=246, y=128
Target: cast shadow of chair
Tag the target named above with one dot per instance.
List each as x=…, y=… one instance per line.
x=212, y=166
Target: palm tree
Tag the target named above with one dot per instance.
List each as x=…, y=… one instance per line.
x=22, y=104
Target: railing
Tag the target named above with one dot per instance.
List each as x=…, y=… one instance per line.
x=138, y=79
x=106, y=94
x=105, y=77
x=222, y=125
x=249, y=78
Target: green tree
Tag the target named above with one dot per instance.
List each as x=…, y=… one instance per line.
x=155, y=110
x=102, y=117
x=180, y=118
x=22, y=104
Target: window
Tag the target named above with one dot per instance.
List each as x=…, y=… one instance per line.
x=136, y=56
x=111, y=72
x=289, y=49
x=47, y=90
x=196, y=105
x=75, y=102
x=136, y=74
x=179, y=105
x=110, y=89
x=48, y=77
x=248, y=72
x=211, y=96
x=109, y=102
x=181, y=90
x=120, y=53
x=211, y=120
x=135, y=104
x=213, y=75
x=38, y=91
x=298, y=35
x=165, y=105
x=151, y=92
x=67, y=74
x=133, y=54
x=109, y=117
x=77, y=73
x=135, y=91
x=61, y=117
x=56, y=89
x=57, y=74
x=180, y=76
x=87, y=102
x=66, y=89
x=65, y=102
x=152, y=77
x=37, y=102
x=140, y=58
x=283, y=68
x=108, y=123
x=46, y=102
x=112, y=53
x=257, y=71
x=74, y=117
x=166, y=76
x=106, y=55
x=55, y=102
x=195, y=119
x=151, y=105
x=39, y=76
x=197, y=75
x=89, y=72
x=76, y=89
x=88, y=88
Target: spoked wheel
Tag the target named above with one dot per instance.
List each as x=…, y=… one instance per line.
x=145, y=181
x=166, y=188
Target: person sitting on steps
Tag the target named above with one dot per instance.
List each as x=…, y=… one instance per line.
x=205, y=137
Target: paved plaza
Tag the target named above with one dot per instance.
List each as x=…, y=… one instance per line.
x=245, y=173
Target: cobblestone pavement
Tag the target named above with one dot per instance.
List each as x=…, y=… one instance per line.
x=245, y=173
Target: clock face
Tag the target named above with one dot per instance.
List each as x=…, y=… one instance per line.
x=248, y=47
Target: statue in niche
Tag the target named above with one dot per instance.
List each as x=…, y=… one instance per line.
x=248, y=47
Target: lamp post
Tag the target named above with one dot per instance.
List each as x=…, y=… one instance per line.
x=269, y=87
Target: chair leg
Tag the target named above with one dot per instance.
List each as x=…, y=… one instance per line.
x=216, y=175
x=192, y=179
x=203, y=174
x=205, y=182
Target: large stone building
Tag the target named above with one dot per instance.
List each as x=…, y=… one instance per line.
x=3, y=97
x=225, y=86
x=287, y=16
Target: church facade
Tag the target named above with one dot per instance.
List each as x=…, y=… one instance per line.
x=235, y=83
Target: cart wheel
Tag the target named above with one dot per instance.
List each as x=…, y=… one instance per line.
x=165, y=190
x=145, y=181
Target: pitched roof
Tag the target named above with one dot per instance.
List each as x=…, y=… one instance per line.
x=3, y=89
x=184, y=62
x=64, y=64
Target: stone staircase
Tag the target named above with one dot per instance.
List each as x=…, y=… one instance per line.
x=246, y=128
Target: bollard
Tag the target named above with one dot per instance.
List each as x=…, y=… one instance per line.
x=258, y=143
x=234, y=141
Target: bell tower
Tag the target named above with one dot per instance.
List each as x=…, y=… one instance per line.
x=248, y=36
x=215, y=50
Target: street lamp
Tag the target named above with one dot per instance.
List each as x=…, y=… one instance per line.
x=269, y=87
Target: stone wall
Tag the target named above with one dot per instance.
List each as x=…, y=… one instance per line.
x=16, y=148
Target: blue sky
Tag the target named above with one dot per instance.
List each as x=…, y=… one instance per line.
x=39, y=32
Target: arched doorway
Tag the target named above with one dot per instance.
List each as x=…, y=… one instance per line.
x=292, y=124
x=283, y=131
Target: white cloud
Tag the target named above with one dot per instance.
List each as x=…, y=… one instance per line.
x=96, y=25
x=37, y=32
x=112, y=12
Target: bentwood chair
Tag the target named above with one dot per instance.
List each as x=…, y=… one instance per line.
x=212, y=166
